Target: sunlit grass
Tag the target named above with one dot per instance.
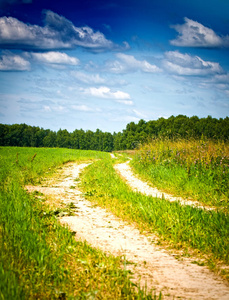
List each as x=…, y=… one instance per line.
x=189, y=168
x=182, y=226
x=30, y=164
x=39, y=258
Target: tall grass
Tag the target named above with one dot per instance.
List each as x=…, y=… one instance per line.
x=190, y=168
x=183, y=226
x=28, y=165
x=40, y=259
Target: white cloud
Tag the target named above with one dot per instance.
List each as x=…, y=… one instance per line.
x=58, y=33
x=59, y=108
x=88, y=78
x=220, y=82
x=16, y=34
x=106, y=93
x=185, y=64
x=194, y=34
x=82, y=107
x=128, y=63
x=126, y=102
x=132, y=62
x=55, y=58
x=13, y=62
x=222, y=78
x=85, y=108
x=47, y=108
x=139, y=114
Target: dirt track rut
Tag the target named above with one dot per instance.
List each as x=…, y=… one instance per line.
x=138, y=185
x=152, y=265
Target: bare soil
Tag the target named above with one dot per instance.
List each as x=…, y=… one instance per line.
x=150, y=264
x=143, y=187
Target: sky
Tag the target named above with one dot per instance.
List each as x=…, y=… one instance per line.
x=105, y=63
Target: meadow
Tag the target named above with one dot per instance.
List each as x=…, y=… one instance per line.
x=194, y=232
x=198, y=169
x=39, y=258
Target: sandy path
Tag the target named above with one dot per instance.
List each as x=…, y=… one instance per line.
x=175, y=278
x=140, y=186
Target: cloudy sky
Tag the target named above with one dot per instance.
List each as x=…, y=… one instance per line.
x=103, y=63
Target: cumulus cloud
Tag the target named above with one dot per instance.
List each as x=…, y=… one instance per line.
x=57, y=33
x=106, y=93
x=88, y=78
x=185, y=64
x=52, y=57
x=16, y=34
x=13, y=62
x=194, y=34
x=128, y=63
x=222, y=78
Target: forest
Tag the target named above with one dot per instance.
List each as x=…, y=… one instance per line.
x=22, y=135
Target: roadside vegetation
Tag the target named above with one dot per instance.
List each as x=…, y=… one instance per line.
x=195, y=231
x=187, y=157
x=39, y=258
x=198, y=169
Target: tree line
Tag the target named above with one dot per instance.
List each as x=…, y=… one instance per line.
x=22, y=135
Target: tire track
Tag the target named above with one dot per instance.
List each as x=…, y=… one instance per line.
x=151, y=265
x=140, y=186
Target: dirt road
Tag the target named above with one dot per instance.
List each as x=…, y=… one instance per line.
x=152, y=265
x=138, y=185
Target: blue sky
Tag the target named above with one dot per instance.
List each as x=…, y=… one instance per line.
x=102, y=64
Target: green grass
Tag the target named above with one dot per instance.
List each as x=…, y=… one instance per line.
x=39, y=258
x=182, y=226
x=29, y=165
x=189, y=168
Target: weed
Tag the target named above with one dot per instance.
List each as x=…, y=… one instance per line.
x=196, y=169
x=185, y=227
x=40, y=259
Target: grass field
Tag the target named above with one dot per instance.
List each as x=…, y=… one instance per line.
x=191, y=168
x=205, y=233
x=39, y=259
